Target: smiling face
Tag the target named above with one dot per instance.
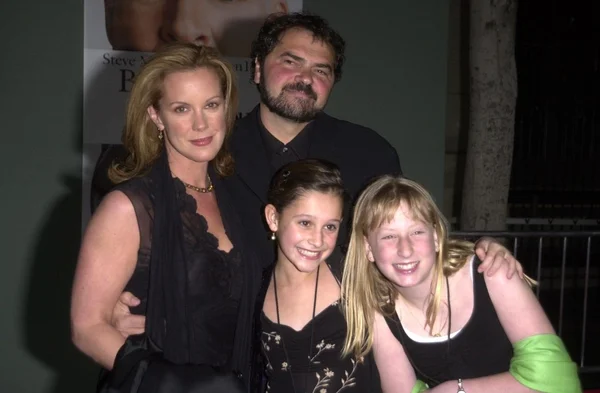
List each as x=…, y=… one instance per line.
x=404, y=250
x=192, y=113
x=306, y=229
x=296, y=78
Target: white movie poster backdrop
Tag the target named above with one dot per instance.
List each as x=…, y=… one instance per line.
x=119, y=37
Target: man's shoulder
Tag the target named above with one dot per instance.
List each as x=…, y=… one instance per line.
x=246, y=120
x=352, y=133
x=244, y=132
x=243, y=124
x=376, y=155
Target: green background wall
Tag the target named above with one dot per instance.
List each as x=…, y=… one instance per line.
x=394, y=82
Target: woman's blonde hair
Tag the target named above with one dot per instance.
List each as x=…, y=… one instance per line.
x=140, y=136
x=364, y=289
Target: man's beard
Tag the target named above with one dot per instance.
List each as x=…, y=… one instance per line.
x=297, y=109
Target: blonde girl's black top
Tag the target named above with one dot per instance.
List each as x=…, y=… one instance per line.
x=479, y=349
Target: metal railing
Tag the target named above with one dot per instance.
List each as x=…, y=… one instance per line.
x=571, y=255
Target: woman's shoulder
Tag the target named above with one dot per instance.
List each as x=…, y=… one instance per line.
x=115, y=202
x=136, y=188
x=135, y=185
x=115, y=218
x=133, y=194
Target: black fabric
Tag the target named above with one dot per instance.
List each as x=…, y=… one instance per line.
x=328, y=372
x=141, y=368
x=191, y=297
x=480, y=349
x=246, y=348
x=167, y=316
x=207, y=339
x=279, y=153
x=101, y=184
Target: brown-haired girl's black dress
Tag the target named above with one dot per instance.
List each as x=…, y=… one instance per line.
x=310, y=360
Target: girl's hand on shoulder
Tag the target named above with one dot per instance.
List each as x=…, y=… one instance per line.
x=496, y=258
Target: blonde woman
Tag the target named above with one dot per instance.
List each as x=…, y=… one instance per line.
x=169, y=235
x=434, y=323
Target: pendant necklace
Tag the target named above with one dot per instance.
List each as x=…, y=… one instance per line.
x=449, y=331
x=431, y=333
x=312, y=329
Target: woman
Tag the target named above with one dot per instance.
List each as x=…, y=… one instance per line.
x=415, y=297
x=168, y=234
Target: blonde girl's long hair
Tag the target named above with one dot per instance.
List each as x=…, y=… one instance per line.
x=140, y=136
x=364, y=289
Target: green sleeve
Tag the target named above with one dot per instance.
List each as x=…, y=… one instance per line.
x=542, y=363
x=419, y=387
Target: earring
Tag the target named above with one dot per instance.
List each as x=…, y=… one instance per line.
x=273, y=237
x=160, y=134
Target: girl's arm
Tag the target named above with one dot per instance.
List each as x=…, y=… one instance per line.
x=106, y=262
x=531, y=334
x=395, y=371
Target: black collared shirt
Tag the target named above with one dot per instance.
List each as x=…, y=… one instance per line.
x=279, y=153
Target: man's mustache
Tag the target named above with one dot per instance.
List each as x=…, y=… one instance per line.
x=302, y=87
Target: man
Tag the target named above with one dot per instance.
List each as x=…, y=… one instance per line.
x=145, y=25
x=297, y=60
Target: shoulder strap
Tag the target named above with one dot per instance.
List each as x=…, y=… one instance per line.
x=336, y=264
x=395, y=326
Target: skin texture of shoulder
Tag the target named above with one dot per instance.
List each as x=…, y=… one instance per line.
x=520, y=313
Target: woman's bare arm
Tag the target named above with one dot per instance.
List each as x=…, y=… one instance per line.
x=106, y=262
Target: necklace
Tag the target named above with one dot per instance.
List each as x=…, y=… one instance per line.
x=448, y=354
x=200, y=189
x=312, y=328
x=439, y=333
x=431, y=334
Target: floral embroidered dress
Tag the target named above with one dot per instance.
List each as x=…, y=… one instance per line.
x=326, y=371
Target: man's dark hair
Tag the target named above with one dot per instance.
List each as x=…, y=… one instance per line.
x=271, y=31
